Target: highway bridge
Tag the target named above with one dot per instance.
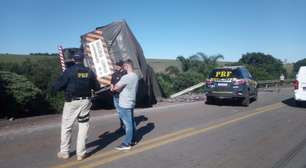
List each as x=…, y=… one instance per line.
x=270, y=133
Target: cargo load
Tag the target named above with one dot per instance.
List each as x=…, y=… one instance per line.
x=107, y=45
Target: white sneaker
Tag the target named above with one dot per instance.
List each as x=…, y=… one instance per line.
x=123, y=147
x=81, y=157
x=61, y=155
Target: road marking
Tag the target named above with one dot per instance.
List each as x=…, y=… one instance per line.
x=111, y=152
x=112, y=155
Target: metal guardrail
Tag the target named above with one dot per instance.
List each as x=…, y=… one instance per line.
x=260, y=84
x=274, y=83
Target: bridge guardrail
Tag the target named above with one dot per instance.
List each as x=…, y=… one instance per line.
x=274, y=83
x=260, y=84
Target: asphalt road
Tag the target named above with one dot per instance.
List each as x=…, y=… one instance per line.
x=270, y=133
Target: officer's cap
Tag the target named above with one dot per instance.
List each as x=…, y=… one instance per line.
x=78, y=57
x=120, y=63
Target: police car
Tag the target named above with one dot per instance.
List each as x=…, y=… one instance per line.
x=233, y=82
x=300, y=86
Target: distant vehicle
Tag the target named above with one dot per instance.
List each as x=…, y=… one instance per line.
x=233, y=82
x=300, y=86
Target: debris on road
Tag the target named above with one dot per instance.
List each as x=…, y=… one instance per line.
x=189, y=97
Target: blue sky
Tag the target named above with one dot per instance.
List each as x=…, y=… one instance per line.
x=164, y=28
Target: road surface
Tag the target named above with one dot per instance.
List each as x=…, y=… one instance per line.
x=270, y=133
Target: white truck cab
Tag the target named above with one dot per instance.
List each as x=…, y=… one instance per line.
x=300, y=86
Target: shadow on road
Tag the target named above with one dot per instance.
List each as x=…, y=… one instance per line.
x=227, y=102
x=108, y=137
x=292, y=103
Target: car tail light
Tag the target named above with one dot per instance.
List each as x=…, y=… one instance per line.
x=296, y=84
x=209, y=82
x=239, y=82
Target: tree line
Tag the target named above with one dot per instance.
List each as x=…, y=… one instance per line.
x=46, y=54
x=25, y=87
x=195, y=69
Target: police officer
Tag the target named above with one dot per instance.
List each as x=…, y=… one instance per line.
x=77, y=82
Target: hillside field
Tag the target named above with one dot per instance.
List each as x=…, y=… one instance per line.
x=159, y=65
x=20, y=58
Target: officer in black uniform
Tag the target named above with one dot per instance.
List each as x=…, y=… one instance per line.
x=77, y=82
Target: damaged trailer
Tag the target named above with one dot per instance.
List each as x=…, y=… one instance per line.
x=108, y=45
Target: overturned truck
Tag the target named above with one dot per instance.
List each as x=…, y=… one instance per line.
x=106, y=46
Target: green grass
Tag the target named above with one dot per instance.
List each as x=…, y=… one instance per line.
x=20, y=58
x=160, y=65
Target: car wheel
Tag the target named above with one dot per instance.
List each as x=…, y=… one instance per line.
x=210, y=100
x=246, y=101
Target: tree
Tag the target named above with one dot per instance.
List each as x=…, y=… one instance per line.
x=263, y=66
x=185, y=80
x=184, y=62
x=209, y=60
x=19, y=96
x=166, y=84
x=172, y=70
x=41, y=72
x=204, y=64
x=298, y=64
x=199, y=62
x=45, y=72
x=194, y=70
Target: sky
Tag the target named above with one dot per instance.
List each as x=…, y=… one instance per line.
x=164, y=28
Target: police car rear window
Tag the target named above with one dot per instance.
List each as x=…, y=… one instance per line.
x=225, y=73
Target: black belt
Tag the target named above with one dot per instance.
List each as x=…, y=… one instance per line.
x=77, y=98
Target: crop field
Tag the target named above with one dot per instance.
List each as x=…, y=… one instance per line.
x=20, y=58
x=159, y=65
